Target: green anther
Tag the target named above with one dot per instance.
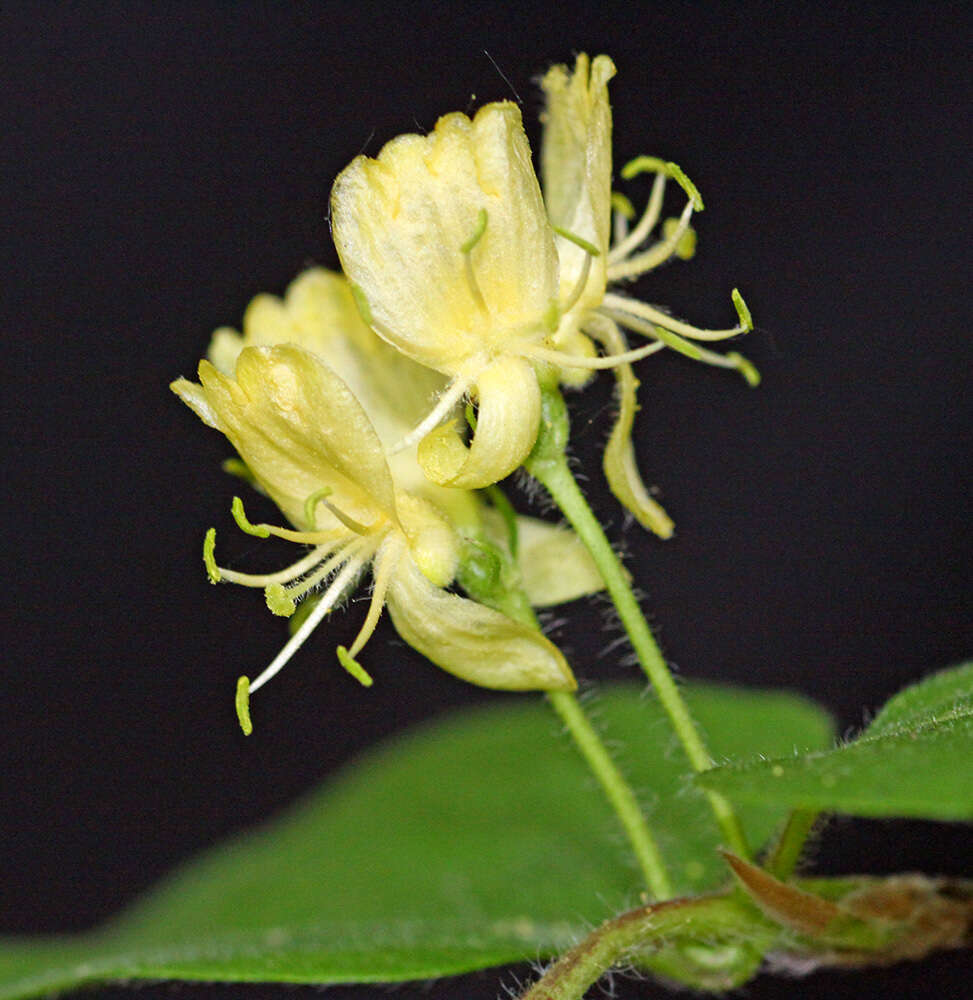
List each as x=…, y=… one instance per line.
x=361, y=300
x=589, y=248
x=746, y=368
x=479, y=230
x=746, y=320
x=236, y=509
x=652, y=164
x=237, y=467
x=692, y=192
x=677, y=343
x=243, y=705
x=312, y=502
x=354, y=667
x=622, y=205
x=470, y=414
x=279, y=601
x=643, y=165
x=686, y=247
x=209, y=556
x=552, y=317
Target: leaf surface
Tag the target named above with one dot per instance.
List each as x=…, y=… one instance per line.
x=914, y=760
x=476, y=840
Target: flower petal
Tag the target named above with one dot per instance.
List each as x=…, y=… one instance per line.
x=471, y=641
x=400, y=223
x=509, y=415
x=576, y=165
x=299, y=429
x=621, y=469
x=554, y=565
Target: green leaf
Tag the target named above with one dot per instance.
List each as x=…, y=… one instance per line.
x=477, y=840
x=913, y=760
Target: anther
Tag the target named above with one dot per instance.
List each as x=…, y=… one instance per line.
x=279, y=601
x=746, y=320
x=209, y=556
x=243, y=705
x=311, y=503
x=236, y=509
x=354, y=667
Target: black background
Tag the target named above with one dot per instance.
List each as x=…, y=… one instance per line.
x=167, y=162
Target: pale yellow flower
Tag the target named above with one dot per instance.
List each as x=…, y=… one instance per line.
x=576, y=168
x=312, y=448
x=310, y=398
x=456, y=261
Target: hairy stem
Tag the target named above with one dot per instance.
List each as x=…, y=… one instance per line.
x=549, y=466
x=704, y=918
x=481, y=577
x=786, y=853
x=617, y=790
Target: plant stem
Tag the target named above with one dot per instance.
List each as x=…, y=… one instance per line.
x=786, y=853
x=480, y=581
x=549, y=466
x=698, y=919
x=616, y=789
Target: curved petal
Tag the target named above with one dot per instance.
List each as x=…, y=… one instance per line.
x=621, y=469
x=299, y=429
x=318, y=312
x=576, y=165
x=471, y=641
x=506, y=428
x=400, y=223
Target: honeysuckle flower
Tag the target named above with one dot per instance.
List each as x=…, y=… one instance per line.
x=576, y=168
x=456, y=260
x=318, y=313
x=311, y=447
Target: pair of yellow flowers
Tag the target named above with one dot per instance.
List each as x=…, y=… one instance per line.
x=463, y=281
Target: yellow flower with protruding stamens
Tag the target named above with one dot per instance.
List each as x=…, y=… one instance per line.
x=457, y=260
x=576, y=167
x=312, y=448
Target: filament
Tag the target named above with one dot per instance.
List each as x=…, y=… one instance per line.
x=658, y=317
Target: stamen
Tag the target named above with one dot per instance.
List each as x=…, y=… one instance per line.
x=243, y=704
x=237, y=467
x=346, y=519
x=265, y=530
x=467, y=250
x=746, y=320
x=236, y=509
x=282, y=600
x=291, y=572
x=732, y=360
x=354, y=668
x=312, y=502
x=579, y=285
x=645, y=225
x=645, y=164
x=454, y=392
x=578, y=241
x=607, y=361
x=329, y=599
x=660, y=318
x=385, y=564
x=657, y=254
x=209, y=556
x=622, y=206
x=481, y=224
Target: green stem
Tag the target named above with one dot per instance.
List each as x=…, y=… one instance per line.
x=549, y=466
x=704, y=918
x=786, y=854
x=482, y=575
x=616, y=789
